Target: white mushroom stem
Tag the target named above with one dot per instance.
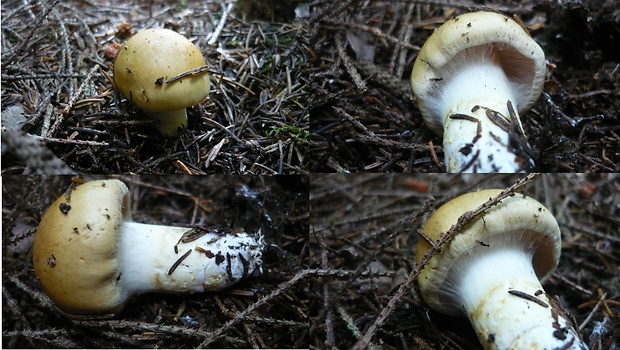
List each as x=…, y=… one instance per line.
x=476, y=83
x=506, y=321
x=169, y=122
x=217, y=260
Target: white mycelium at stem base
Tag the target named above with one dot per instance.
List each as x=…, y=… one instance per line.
x=217, y=260
x=91, y=257
x=476, y=85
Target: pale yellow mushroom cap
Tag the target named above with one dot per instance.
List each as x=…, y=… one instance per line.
x=143, y=69
x=75, y=248
x=519, y=222
x=522, y=59
x=151, y=57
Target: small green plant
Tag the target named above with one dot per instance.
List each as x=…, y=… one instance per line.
x=267, y=67
x=300, y=133
x=285, y=40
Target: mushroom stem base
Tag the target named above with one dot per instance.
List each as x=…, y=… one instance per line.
x=473, y=142
x=154, y=258
x=169, y=122
x=508, y=307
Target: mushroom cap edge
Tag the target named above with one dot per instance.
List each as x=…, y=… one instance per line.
x=519, y=214
x=466, y=31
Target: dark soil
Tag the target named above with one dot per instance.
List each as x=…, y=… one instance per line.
x=365, y=119
x=275, y=304
x=57, y=56
x=363, y=238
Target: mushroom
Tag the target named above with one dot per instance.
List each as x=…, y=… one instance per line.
x=147, y=70
x=91, y=257
x=492, y=271
x=472, y=78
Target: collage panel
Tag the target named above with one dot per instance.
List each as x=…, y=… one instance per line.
x=155, y=87
x=493, y=86
x=165, y=174
x=214, y=261
x=453, y=261
x=137, y=90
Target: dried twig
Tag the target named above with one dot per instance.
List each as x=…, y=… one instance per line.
x=213, y=36
x=34, y=154
x=240, y=316
x=357, y=79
